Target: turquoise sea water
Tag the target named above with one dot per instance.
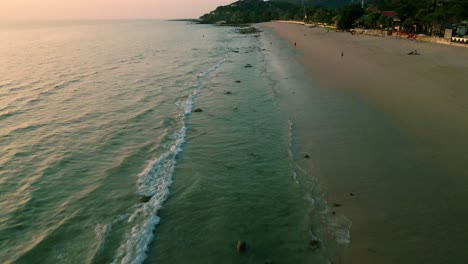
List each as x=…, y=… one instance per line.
x=105, y=161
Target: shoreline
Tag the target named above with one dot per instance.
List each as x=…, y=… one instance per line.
x=402, y=130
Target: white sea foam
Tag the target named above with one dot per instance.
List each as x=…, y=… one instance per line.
x=213, y=68
x=154, y=181
x=333, y=229
x=290, y=150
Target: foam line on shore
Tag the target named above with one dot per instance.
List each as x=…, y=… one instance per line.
x=154, y=181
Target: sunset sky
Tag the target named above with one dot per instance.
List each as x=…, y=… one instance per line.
x=105, y=9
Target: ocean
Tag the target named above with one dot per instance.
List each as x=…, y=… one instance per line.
x=154, y=142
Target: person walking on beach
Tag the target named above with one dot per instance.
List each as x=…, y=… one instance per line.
x=342, y=54
x=294, y=44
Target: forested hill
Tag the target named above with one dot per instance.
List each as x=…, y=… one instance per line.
x=324, y=3
x=424, y=16
x=250, y=11
x=253, y=11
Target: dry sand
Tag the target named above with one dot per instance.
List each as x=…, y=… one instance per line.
x=402, y=218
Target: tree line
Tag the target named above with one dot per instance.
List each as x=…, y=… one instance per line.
x=415, y=15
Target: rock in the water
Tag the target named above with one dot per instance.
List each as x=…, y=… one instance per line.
x=145, y=199
x=248, y=30
x=228, y=92
x=198, y=110
x=351, y=194
x=229, y=167
x=336, y=205
x=238, y=81
x=314, y=244
x=248, y=66
x=307, y=156
x=236, y=109
x=241, y=246
x=333, y=213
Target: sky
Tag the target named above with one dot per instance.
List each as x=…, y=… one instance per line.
x=105, y=9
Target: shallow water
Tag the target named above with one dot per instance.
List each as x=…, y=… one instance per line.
x=104, y=159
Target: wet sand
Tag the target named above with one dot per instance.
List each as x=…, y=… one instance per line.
x=400, y=168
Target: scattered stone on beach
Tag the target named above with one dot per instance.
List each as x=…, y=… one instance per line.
x=333, y=213
x=248, y=66
x=314, y=244
x=198, y=110
x=415, y=52
x=238, y=81
x=241, y=246
x=145, y=198
x=351, y=194
x=228, y=92
x=307, y=156
x=336, y=205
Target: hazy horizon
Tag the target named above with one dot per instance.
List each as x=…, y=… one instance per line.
x=105, y=9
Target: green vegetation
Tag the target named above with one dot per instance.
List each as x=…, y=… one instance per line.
x=348, y=15
x=251, y=11
x=416, y=16
x=426, y=16
x=254, y=11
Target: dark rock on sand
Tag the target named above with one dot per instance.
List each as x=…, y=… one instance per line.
x=351, y=194
x=241, y=246
x=198, y=110
x=336, y=205
x=307, y=156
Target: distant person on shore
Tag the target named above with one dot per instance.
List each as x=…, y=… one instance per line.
x=342, y=54
x=294, y=44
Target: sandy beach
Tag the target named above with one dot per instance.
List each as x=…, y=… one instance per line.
x=400, y=149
